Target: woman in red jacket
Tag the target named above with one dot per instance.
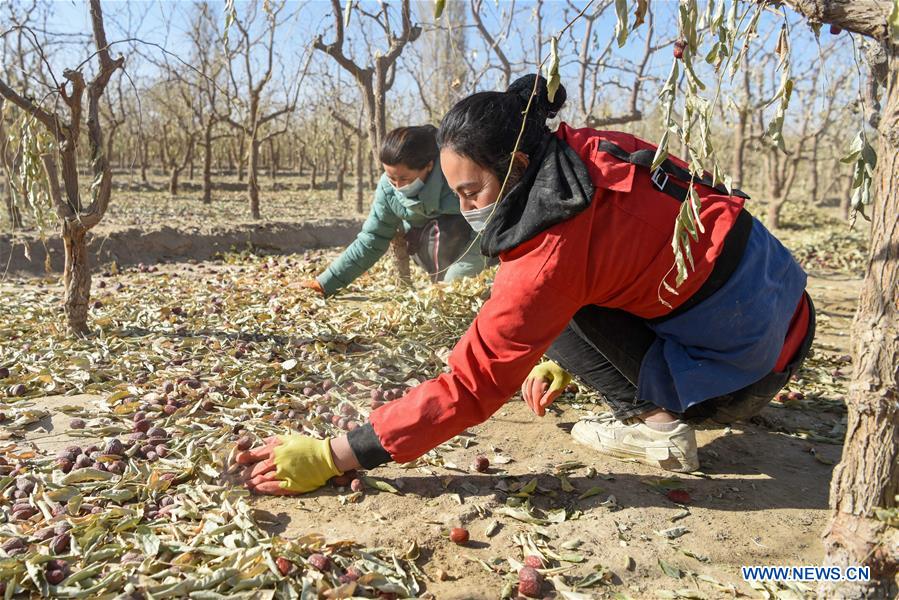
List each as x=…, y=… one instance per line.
x=583, y=234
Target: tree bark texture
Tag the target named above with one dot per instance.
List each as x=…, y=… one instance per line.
x=76, y=277
x=867, y=477
x=253, y=177
x=174, y=173
x=401, y=258
x=207, y=164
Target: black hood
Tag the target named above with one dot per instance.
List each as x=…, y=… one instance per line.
x=555, y=187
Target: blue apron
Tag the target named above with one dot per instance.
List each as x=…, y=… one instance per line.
x=732, y=338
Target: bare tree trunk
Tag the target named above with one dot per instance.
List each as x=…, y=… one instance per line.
x=240, y=158
x=401, y=257
x=12, y=211
x=207, y=164
x=273, y=158
x=373, y=173
x=772, y=219
x=76, y=277
x=815, y=192
x=190, y=169
x=173, y=180
x=360, y=170
x=341, y=176
x=846, y=199
x=739, y=149
x=253, y=176
x=867, y=477
x=144, y=161
x=313, y=183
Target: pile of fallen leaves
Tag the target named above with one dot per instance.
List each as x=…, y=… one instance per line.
x=191, y=361
x=194, y=360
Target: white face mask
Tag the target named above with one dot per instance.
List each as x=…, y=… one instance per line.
x=478, y=217
x=410, y=190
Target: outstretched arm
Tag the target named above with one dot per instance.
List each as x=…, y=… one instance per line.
x=370, y=245
x=510, y=334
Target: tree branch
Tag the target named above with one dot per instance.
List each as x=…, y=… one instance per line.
x=51, y=122
x=63, y=210
x=340, y=119
x=491, y=42
x=275, y=115
x=866, y=17
x=101, y=187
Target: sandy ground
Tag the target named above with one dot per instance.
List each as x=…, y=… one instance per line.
x=761, y=501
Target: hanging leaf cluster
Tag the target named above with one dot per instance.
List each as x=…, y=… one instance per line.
x=863, y=159
x=28, y=140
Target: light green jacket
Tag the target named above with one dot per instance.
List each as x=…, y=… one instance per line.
x=388, y=214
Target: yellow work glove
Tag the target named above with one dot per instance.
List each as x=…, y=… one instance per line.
x=289, y=464
x=543, y=385
x=303, y=463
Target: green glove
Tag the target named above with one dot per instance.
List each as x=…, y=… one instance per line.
x=303, y=463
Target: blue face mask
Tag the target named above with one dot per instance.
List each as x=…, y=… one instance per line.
x=478, y=217
x=409, y=192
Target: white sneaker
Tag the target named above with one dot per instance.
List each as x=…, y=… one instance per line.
x=673, y=450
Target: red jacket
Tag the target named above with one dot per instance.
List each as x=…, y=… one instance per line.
x=613, y=254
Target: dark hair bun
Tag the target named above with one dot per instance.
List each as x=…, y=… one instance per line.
x=524, y=87
x=428, y=129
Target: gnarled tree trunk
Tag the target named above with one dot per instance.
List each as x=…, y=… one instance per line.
x=374, y=82
x=75, y=218
x=76, y=277
x=867, y=477
x=772, y=216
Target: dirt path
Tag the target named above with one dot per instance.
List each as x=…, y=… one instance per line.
x=835, y=296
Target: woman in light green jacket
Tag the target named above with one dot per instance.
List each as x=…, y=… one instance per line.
x=411, y=194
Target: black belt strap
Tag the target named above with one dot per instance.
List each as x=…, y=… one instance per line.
x=662, y=176
x=736, y=240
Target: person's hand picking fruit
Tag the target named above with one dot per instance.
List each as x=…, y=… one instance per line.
x=288, y=464
x=543, y=385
